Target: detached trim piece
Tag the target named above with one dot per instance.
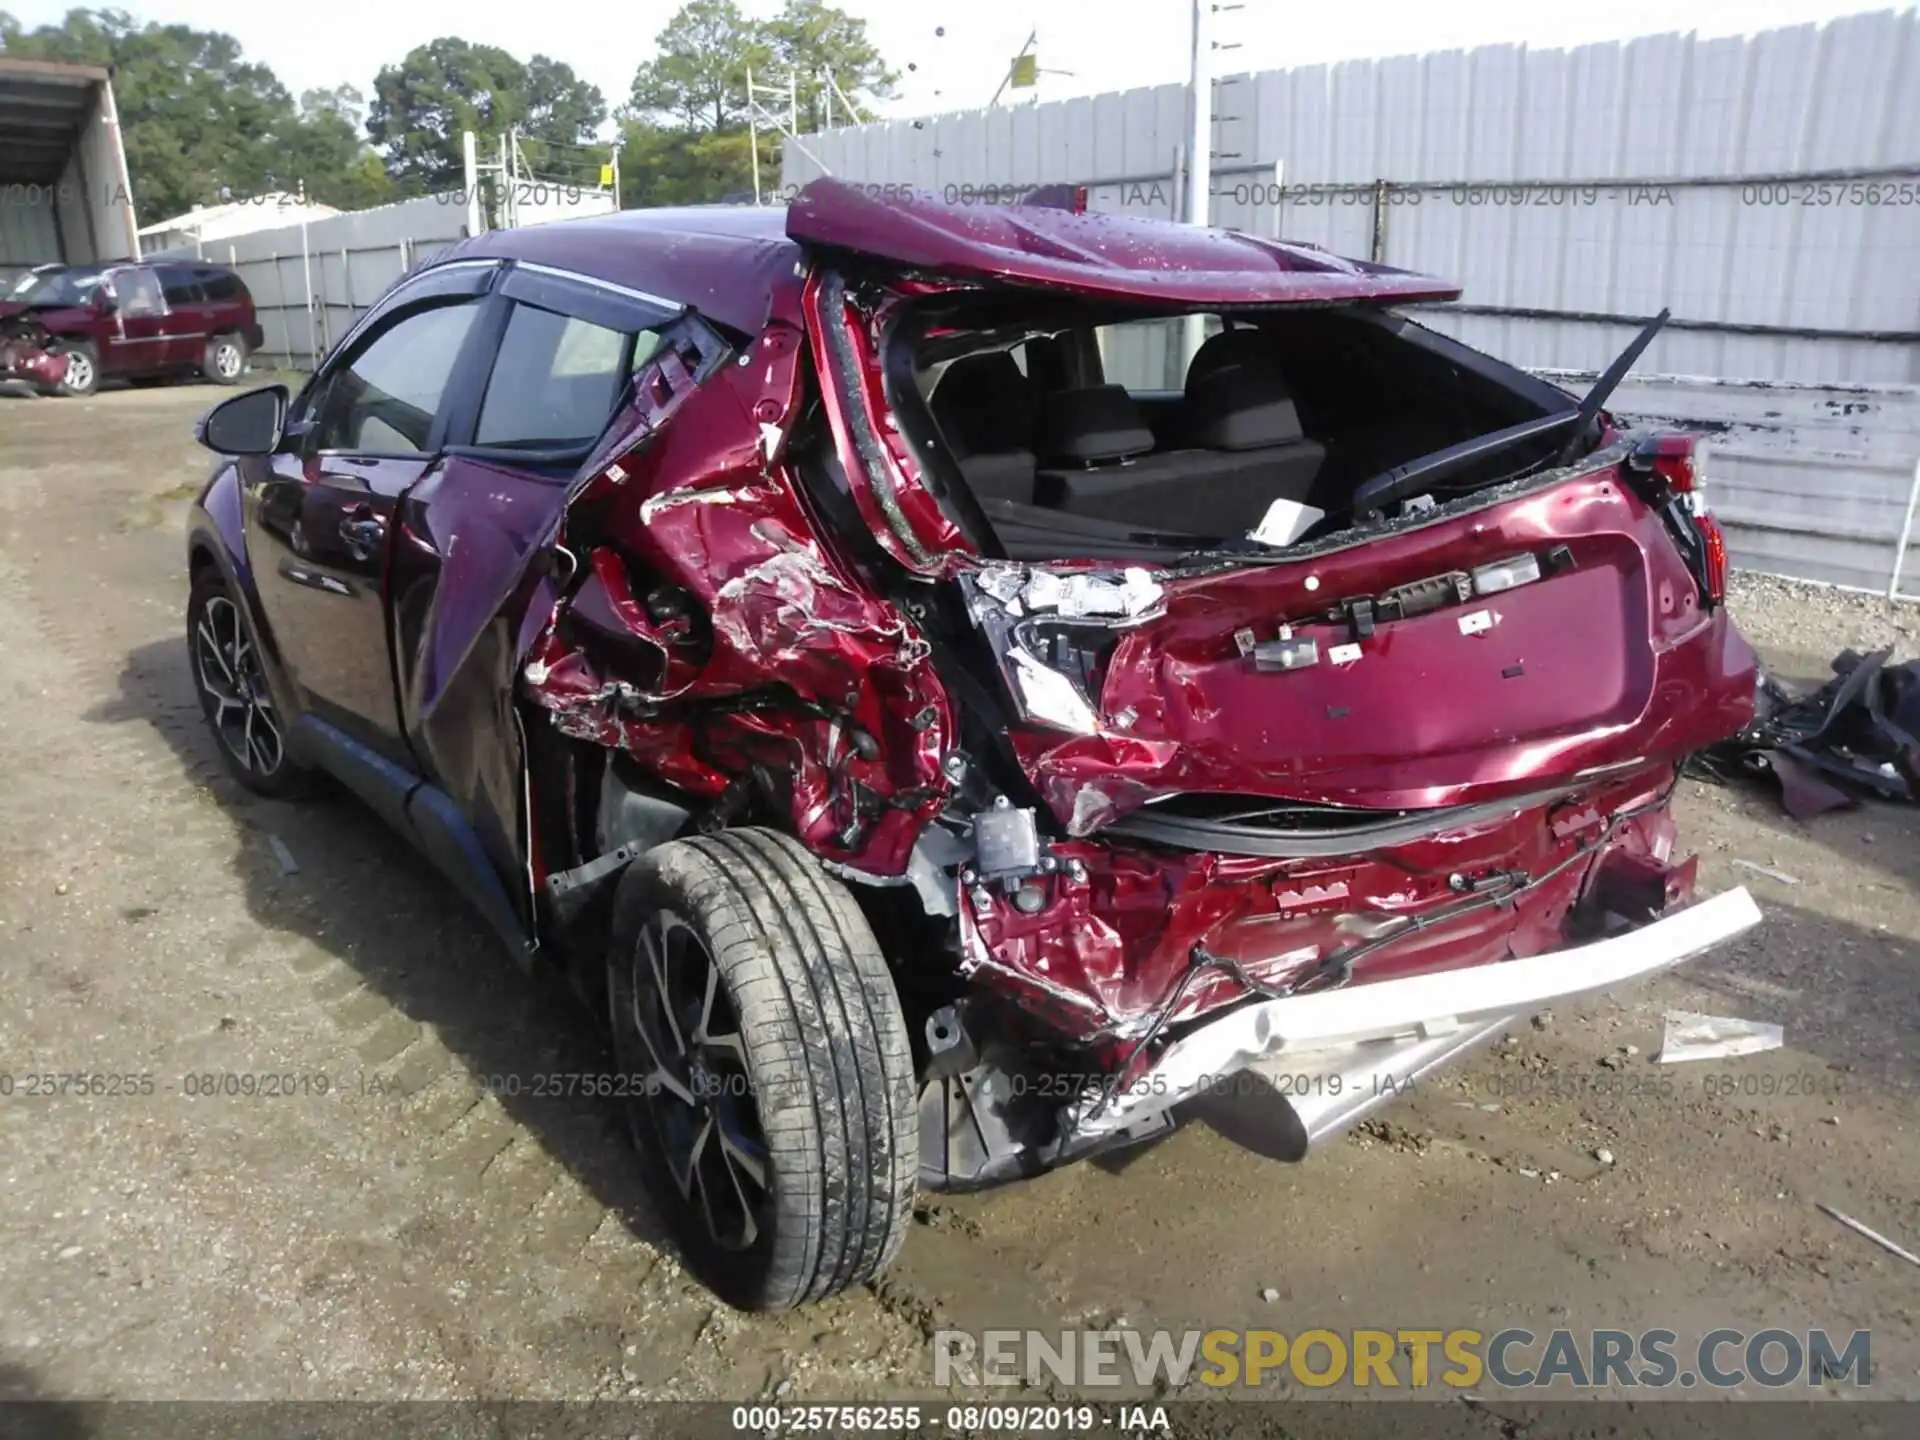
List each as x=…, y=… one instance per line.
x=1229, y=837
x=1425, y=1007
x=852, y=394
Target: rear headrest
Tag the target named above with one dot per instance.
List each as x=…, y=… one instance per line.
x=1086, y=426
x=1236, y=396
x=984, y=405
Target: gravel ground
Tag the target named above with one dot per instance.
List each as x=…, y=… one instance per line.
x=410, y=1234
x=1800, y=627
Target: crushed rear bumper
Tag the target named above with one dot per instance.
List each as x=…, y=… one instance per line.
x=1336, y=1055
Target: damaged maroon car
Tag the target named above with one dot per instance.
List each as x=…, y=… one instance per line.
x=934, y=760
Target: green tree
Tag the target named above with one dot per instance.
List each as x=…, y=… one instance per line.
x=421, y=106
x=324, y=148
x=684, y=127
x=672, y=165
x=195, y=115
x=199, y=120
x=699, y=78
x=809, y=40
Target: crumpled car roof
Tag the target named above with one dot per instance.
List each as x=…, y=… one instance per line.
x=1111, y=255
x=726, y=260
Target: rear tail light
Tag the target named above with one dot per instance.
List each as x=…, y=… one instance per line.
x=1715, y=541
x=1672, y=458
x=1672, y=465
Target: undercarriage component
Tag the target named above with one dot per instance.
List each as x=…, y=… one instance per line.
x=1283, y=1105
x=990, y=1113
x=1422, y=1008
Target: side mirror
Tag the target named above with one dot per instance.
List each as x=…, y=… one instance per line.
x=249, y=424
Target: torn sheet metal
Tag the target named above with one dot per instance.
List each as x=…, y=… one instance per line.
x=1859, y=734
x=715, y=638
x=1104, y=939
x=1372, y=696
x=24, y=355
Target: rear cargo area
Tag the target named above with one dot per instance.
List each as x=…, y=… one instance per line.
x=1282, y=415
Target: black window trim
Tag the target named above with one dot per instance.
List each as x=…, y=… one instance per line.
x=454, y=282
x=562, y=292
x=390, y=319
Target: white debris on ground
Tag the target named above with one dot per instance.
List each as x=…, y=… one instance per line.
x=1715, y=1037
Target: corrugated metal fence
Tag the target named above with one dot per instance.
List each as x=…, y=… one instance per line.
x=1819, y=481
x=310, y=282
x=1766, y=188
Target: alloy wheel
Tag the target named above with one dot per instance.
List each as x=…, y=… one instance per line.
x=227, y=361
x=79, y=371
x=678, y=1037
x=239, y=704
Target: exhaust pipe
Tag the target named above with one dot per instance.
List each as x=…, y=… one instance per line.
x=1321, y=1093
x=1337, y=1054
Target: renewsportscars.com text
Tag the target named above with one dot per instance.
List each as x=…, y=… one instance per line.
x=1393, y=1359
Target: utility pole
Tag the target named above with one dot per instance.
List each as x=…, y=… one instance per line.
x=753, y=138
x=1199, y=148
x=470, y=162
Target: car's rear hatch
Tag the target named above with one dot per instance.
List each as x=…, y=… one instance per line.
x=1544, y=632
x=1549, y=637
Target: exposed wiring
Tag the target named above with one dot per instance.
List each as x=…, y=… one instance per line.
x=1338, y=967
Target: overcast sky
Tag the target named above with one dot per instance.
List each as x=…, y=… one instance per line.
x=1107, y=44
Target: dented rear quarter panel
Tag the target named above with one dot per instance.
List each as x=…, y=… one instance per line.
x=803, y=654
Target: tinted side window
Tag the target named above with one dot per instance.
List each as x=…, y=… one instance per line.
x=179, y=287
x=383, y=401
x=219, y=285
x=554, y=381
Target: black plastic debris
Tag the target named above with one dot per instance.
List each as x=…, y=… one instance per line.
x=1859, y=734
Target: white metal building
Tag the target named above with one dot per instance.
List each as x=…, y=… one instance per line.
x=64, y=193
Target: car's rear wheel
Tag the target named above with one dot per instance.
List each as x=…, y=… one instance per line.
x=246, y=724
x=767, y=1066
x=226, y=360
x=83, y=368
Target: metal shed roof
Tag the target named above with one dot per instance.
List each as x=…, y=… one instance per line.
x=43, y=108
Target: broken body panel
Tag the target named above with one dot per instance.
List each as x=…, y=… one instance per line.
x=1122, y=796
x=26, y=351
x=1470, y=703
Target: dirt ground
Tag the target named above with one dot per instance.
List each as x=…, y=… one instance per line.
x=409, y=1234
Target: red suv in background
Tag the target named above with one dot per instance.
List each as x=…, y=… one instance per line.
x=67, y=328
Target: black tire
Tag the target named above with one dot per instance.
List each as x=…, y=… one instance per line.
x=225, y=360
x=223, y=657
x=83, y=365
x=825, y=1067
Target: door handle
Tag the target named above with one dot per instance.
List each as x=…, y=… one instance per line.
x=363, y=532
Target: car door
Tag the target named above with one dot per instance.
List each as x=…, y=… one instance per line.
x=553, y=368
x=185, y=326
x=320, y=513
x=137, y=338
